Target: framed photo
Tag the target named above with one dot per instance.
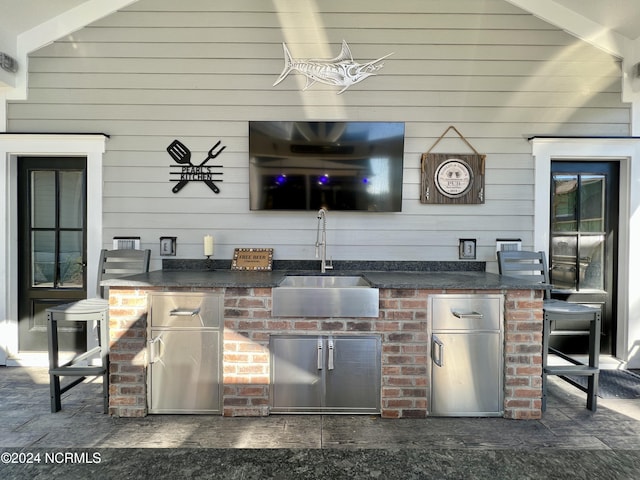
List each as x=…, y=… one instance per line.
x=168, y=246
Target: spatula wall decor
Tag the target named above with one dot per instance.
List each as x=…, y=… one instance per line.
x=185, y=171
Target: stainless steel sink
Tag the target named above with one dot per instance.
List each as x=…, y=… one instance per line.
x=325, y=296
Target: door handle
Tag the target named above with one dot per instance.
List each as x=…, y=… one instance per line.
x=155, y=349
x=435, y=341
x=319, y=354
x=331, y=346
x=471, y=314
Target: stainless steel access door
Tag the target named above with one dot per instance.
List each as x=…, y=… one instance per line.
x=297, y=378
x=325, y=374
x=469, y=381
x=353, y=384
x=183, y=371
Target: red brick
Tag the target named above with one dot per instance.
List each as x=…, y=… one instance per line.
x=252, y=391
x=306, y=325
x=388, y=413
x=399, y=403
x=235, y=401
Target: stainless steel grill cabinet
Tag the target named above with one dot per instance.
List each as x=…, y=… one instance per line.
x=467, y=354
x=184, y=348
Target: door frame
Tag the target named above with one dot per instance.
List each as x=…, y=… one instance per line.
x=625, y=151
x=12, y=146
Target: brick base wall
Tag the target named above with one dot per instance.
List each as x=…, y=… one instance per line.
x=402, y=325
x=523, y=354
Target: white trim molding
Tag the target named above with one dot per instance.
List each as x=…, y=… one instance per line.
x=12, y=146
x=626, y=151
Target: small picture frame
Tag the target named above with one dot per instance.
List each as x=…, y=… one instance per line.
x=168, y=246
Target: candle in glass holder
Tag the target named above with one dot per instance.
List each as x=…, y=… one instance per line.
x=208, y=245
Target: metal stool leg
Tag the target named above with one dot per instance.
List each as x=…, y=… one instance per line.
x=103, y=326
x=546, y=327
x=54, y=380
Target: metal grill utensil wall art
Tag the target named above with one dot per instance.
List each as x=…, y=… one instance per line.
x=341, y=71
x=185, y=171
x=452, y=178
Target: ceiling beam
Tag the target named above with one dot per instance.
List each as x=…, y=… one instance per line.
x=64, y=24
x=577, y=25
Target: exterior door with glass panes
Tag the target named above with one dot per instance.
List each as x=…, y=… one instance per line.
x=583, y=251
x=52, y=252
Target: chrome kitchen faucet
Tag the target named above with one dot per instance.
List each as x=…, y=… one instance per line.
x=321, y=241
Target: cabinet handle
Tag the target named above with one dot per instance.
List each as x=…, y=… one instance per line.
x=155, y=349
x=183, y=312
x=437, y=359
x=330, y=354
x=319, y=354
x=472, y=314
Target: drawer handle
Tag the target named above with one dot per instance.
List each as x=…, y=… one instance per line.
x=459, y=314
x=179, y=312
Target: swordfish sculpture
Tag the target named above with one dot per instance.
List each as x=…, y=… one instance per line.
x=340, y=71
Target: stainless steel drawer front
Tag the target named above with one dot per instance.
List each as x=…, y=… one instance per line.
x=466, y=312
x=185, y=310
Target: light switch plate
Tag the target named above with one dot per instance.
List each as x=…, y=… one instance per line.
x=467, y=249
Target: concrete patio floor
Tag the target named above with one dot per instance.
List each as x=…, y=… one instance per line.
x=568, y=442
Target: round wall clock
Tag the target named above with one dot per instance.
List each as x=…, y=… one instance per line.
x=453, y=178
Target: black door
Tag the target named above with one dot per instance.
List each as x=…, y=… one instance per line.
x=583, y=251
x=52, y=252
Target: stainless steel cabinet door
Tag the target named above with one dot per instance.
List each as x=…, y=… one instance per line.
x=297, y=374
x=469, y=382
x=321, y=374
x=353, y=377
x=184, y=372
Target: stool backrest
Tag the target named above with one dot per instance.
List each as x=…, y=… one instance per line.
x=120, y=263
x=524, y=264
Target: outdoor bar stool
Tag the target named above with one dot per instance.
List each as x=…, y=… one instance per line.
x=113, y=264
x=533, y=266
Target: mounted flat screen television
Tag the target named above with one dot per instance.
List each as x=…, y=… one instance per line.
x=335, y=165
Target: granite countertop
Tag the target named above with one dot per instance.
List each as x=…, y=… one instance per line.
x=475, y=280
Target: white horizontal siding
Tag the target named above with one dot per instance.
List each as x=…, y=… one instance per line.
x=198, y=71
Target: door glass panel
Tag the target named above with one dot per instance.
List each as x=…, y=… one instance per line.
x=43, y=265
x=43, y=199
x=591, y=262
x=563, y=261
x=592, y=193
x=71, y=214
x=71, y=259
x=565, y=197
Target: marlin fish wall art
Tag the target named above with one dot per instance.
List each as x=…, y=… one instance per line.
x=341, y=71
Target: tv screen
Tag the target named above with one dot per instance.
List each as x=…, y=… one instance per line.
x=335, y=165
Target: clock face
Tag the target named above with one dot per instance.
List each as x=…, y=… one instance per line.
x=453, y=178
